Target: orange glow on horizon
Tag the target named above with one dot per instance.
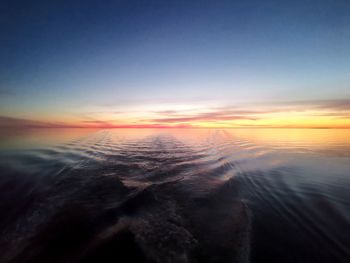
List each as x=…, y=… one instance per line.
x=182, y=116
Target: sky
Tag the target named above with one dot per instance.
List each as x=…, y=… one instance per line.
x=175, y=63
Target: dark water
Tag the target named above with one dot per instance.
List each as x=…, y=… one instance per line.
x=175, y=195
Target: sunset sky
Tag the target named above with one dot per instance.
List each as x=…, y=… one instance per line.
x=175, y=63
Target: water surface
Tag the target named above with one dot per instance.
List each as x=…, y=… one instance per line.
x=175, y=195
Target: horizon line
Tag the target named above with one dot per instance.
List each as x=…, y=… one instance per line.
x=170, y=127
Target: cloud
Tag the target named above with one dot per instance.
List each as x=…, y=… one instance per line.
x=331, y=109
x=204, y=117
x=10, y=122
x=167, y=112
x=340, y=104
x=330, y=104
x=97, y=123
x=336, y=111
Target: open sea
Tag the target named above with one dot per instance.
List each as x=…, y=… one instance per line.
x=175, y=195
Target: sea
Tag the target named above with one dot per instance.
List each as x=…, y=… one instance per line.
x=174, y=195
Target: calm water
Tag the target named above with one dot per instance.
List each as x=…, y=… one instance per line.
x=189, y=195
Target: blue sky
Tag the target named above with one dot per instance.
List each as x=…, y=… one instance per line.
x=61, y=59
